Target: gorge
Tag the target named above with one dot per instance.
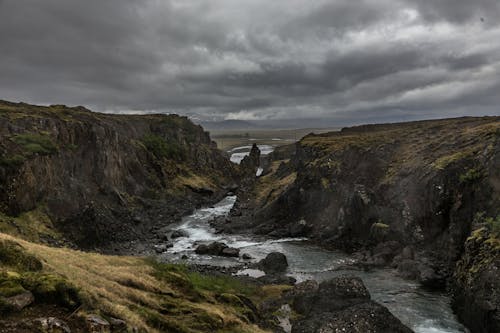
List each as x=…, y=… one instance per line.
x=411, y=209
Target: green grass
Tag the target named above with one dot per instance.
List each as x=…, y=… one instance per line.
x=471, y=175
x=35, y=143
x=13, y=161
x=160, y=148
x=198, y=284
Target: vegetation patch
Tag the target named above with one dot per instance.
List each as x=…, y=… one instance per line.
x=13, y=161
x=150, y=296
x=34, y=226
x=444, y=161
x=471, y=176
x=160, y=148
x=35, y=143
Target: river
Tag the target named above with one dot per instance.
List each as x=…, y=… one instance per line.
x=422, y=310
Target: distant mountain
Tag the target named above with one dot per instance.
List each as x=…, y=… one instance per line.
x=229, y=125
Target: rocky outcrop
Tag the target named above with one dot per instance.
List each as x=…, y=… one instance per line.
x=94, y=179
x=476, y=281
x=342, y=304
x=251, y=162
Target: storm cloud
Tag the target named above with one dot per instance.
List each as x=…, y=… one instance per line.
x=257, y=60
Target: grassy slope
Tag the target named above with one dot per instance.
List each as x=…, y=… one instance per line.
x=151, y=296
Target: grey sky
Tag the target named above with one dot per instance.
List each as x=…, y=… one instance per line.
x=255, y=59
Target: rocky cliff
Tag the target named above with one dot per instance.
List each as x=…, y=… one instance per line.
x=68, y=174
x=400, y=195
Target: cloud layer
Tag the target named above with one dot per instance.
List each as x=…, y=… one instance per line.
x=252, y=59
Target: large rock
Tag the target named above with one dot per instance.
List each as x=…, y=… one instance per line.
x=359, y=318
x=178, y=234
x=341, y=304
x=20, y=301
x=251, y=162
x=97, y=324
x=217, y=249
x=274, y=263
x=51, y=325
x=230, y=252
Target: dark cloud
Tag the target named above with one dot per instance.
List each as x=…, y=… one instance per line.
x=255, y=59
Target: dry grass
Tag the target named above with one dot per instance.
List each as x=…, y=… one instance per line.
x=129, y=288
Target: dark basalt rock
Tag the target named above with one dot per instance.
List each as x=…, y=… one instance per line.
x=178, y=234
x=273, y=263
x=217, y=249
x=341, y=304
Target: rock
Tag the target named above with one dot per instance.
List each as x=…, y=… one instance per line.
x=178, y=234
x=341, y=304
x=118, y=325
x=96, y=324
x=20, y=301
x=273, y=263
x=359, y=318
x=246, y=256
x=51, y=325
x=277, y=279
x=340, y=292
x=214, y=248
x=303, y=295
x=162, y=248
x=251, y=162
x=230, y=252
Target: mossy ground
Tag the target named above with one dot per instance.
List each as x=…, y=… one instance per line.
x=33, y=226
x=433, y=145
x=148, y=295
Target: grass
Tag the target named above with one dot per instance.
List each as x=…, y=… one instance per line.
x=13, y=161
x=429, y=145
x=472, y=175
x=160, y=148
x=32, y=225
x=150, y=296
x=35, y=143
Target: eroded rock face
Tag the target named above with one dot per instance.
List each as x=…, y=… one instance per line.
x=251, y=162
x=476, y=283
x=106, y=178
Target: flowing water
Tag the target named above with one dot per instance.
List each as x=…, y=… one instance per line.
x=423, y=311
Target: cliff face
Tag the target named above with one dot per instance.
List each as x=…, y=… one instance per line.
x=419, y=181
x=401, y=195
x=416, y=184
x=89, y=176
x=476, y=281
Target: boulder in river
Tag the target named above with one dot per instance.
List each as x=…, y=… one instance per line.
x=178, y=234
x=217, y=249
x=341, y=304
x=273, y=263
x=230, y=252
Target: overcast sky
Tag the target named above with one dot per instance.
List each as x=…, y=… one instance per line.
x=365, y=60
